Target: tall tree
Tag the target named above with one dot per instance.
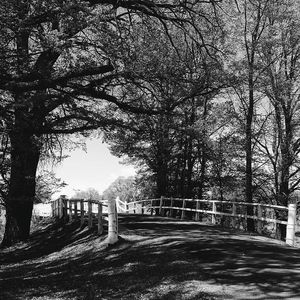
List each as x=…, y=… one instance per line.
x=281, y=57
x=177, y=81
x=58, y=78
x=251, y=24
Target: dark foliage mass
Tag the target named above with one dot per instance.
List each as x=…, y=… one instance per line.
x=201, y=95
x=59, y=77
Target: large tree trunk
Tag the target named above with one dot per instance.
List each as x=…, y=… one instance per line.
x=24, y=160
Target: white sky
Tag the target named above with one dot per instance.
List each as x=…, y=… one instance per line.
x=96, y=168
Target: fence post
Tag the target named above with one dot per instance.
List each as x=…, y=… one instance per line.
x=183, y=211
x=52, y=209
x=142, y=204
x=152, y=207
x=100, y=221
x=291, y=225
x=75, y=209
x=134, y=207
x=171, y=207
x=126, y=207
x=70, y=210
x=65, y=213
x=246, y=217
x=118, y=203
x=59, y=207
x=214, y=209
x=90, y=214
x=197, y=215
x=259, y=216
x=81, y=212
x=160, y=205
x=233, y=215
x=112, y=237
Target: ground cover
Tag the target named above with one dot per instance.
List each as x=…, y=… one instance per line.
x=156, y=258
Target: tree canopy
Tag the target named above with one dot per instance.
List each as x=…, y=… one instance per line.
x=201, y=95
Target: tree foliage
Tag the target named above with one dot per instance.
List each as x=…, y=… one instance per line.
x=47, y=184
x=90, y=193
x=124, y=188
x=59, y=77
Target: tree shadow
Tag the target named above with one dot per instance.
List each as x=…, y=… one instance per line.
x=53, y=237
x=156, y=258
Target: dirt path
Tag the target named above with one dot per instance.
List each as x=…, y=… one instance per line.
x=156, y=258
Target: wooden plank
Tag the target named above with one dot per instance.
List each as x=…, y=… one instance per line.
x=75, y=209
x=259, y=221
x=291, y=224
x=81, y=212
x=152, y=207
x=160, y=205
x=237, y=203
x=70, y=210
x=183, y=209
x=171, y=207
x=100, y=221
x=233, y=214
x=90, y=215
x=197, y=215
x=214, y=209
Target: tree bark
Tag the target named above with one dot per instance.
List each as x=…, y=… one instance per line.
x=24, y=160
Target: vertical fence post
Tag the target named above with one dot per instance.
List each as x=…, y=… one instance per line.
x=246, y=218
x=59, y=207
x=214, y=209
x=142, y=204
x=100, y=221
x=160, y=205
x=134, y=207
x=70, y=210
x=90, y=214
x=112, y=237
x=81, y=212
x=52, y=209
x=233, y=215
x=183, y=211
x=56, y=207
x=259, y=216
x=197, y=215
x=126, y=207
x=291, y=225
x=117, y=203
x=151, y=205
x=171, y=207
x=65, y=213
x=75, y=209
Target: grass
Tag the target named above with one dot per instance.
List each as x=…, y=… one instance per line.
x=155, y=258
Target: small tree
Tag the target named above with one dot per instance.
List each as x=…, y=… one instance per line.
x=47, y=184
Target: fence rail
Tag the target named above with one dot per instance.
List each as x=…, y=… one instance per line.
x=234, y=210
x=103, y=211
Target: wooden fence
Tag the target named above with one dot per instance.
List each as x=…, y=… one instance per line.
x=235, y=211
x=103, y=211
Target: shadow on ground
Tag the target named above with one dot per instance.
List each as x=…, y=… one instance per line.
x=156, y=258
